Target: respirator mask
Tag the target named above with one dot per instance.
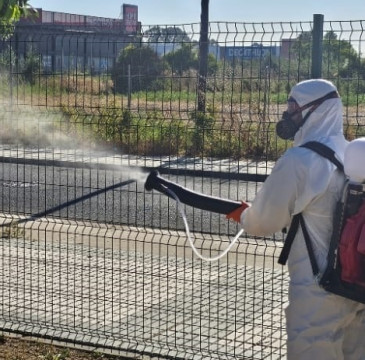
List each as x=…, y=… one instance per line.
x=286, y=128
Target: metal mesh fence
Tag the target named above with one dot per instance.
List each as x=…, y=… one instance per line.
x=87, y=255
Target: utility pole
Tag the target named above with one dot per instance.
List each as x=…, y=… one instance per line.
x=203, y=54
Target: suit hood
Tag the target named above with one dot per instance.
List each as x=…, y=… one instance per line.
x=326, y=120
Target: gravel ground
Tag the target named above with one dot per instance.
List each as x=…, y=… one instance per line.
x=20, y=349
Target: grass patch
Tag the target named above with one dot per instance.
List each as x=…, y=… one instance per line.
x=239, y=121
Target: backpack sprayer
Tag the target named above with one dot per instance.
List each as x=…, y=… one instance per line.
x=194, y=199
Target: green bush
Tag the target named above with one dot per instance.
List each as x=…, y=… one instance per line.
x=137, y=68
x=31, y=68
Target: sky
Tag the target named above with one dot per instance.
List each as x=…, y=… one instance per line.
x=177, y=12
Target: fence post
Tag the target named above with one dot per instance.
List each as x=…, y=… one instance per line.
x=129, y=87
x=317, y=48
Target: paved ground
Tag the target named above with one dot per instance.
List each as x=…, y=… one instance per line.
x=169, y=305
x=139, y=290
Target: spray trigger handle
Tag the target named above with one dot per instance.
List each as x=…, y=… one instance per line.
x=236, y=213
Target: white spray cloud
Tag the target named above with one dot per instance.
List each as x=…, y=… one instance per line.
x=43, y=130
x=24, y=126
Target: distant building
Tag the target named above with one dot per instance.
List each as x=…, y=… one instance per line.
x=69, y=41
x=286, y=48
x=162, y=49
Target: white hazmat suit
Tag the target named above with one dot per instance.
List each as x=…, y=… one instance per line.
x=320, y=325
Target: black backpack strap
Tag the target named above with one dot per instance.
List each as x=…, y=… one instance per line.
x=310, y=250
x=296, y=221
x=324, y=151
x=329, y=154
x=289, y=239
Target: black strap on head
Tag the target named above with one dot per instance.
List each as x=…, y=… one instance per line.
x=315, y=103
x=332, y=95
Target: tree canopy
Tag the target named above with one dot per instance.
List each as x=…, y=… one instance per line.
x=136, y=68
x=10, y=12
x=171, y=34
x=339, y=56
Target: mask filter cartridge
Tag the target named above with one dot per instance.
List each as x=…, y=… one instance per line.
x=286, y=128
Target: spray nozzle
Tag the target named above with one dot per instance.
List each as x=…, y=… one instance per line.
x=153, y=181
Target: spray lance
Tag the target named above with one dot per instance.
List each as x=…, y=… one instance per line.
x=66, y=204
x=232, y=209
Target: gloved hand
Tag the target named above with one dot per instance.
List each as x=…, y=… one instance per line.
x=236, y=213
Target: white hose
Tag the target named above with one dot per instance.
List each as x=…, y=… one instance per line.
x=196, y=252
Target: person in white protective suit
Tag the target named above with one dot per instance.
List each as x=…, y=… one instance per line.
x=320, y=325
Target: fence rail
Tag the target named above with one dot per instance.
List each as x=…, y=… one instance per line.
x=88, y=256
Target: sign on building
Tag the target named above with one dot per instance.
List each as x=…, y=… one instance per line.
x=249, y=52
x=130, y=18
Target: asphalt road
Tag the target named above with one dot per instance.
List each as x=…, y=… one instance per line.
x=111, y=196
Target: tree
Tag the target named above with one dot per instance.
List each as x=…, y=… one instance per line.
x=186, y=58
x=136, y=68
x=171, y=34
x=339, y=56
x=182, y=59
x=302, y=46
x=31, y=67
x=10, y=12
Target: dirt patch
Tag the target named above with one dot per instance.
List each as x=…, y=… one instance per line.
x=12, y=348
